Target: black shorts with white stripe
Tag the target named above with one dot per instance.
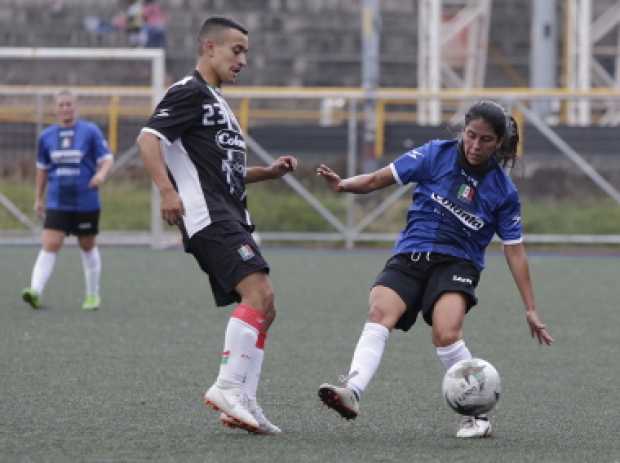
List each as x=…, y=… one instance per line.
x=227, y=252
x=71, y=222
x=420, y=278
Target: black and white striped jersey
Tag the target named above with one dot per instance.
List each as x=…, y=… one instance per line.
x=204, y=151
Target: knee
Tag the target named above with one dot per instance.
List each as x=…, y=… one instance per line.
x=87, y=247
x=443, y=338
x=267, y=306
x=270, y=316
x=263, y=299
x=52, y=245
x=385, y=306
x=378, y=313
x=268, y=300
x=53, y=248
x=86, y=244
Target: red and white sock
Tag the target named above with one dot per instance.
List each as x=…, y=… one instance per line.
x=256, y=365
x=453, y=353
x=239, y=353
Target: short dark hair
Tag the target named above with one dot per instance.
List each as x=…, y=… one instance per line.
x=218, y=22
x=503, y=124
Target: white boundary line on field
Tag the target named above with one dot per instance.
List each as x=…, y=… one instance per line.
x=173, y=238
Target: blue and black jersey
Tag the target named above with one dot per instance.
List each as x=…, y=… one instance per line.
x=70, y=155
x=456, y=210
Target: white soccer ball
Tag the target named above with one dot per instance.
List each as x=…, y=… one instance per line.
x=471, y=387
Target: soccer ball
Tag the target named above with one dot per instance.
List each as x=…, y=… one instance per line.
x=471, y=387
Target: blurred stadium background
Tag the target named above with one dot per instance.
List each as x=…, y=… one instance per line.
x=351, y=83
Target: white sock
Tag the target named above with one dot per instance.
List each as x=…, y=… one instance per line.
x=253, y=377
x=91, y=263
x=453, y=353
x=42, y=270
x=239, y=350
x=367, y=356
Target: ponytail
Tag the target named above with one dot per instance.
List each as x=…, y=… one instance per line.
x=507, y=152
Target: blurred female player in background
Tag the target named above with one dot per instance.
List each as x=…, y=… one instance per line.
x=73, y=160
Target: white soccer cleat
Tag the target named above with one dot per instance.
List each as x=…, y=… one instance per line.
x=228, y=422
x=341, y=399
x=234, y=403
x=264, y=425
x=474, y=426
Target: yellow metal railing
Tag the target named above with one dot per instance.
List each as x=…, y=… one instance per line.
x=244, y=114
x=19, y=104
x=113, y=124
x=520, y=119
x=380, y=128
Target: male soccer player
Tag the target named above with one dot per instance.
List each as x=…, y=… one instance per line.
x=73, y=161
x=202, y=185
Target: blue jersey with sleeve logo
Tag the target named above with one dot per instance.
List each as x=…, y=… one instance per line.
x=70, y=155
x=456, y=210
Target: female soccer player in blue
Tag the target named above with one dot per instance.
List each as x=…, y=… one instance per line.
x=72, y=162
x=462, y=198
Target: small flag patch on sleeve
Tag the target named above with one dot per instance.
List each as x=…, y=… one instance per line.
x=245, y=252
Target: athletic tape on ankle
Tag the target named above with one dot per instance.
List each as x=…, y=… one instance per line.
x=251, y=316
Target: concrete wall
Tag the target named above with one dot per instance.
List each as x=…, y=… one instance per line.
x=293, y=42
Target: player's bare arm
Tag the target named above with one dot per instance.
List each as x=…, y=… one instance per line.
x=516, y=258
x=39, y=197
x=280, y=167
x=171, y=205
x=360, y=184
x=102, y=173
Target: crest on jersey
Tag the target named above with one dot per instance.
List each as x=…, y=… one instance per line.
x=246, y=252
x=466, y=193
x=66, y=138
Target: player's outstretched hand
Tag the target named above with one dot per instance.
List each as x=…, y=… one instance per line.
x=283, y=165
x=537, y=328
x=39, y=208
x=96, y=181
x=172, y=208
x=334, y=182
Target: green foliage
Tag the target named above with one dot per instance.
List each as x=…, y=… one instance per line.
x=22, y=195
x=125, y=206
x=278, y=208
x=601, y=216
x=275, y=207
